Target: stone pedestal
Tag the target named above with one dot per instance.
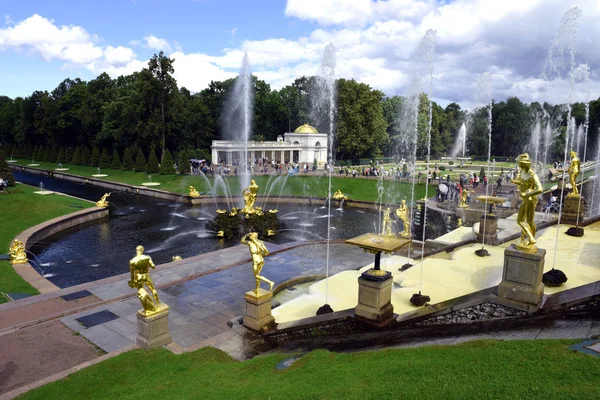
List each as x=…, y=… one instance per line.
x=153, y=330
x=375, y=298
x=258, y=310
x=571, y=208
x=491, y=229
x=522, y=276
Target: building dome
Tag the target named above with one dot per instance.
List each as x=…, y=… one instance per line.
x=306, y=128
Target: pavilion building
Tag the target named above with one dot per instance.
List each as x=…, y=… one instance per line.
x=304, y=145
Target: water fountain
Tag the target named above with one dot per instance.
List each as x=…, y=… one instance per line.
x=42, y=191
x=99, y=174
x=460, y=143
x=60, y=168
x=149, y=183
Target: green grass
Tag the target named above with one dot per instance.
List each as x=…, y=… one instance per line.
x=540, y=369
x=22, y=209
x=356, y=188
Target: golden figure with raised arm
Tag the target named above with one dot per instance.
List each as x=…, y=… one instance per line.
x=574, y=170
x=139, y=267
x=17, y=253
x=338, y=195
x=193, y=192
x=402, y=214
x=258, y=250
x=463, y=199
x=250, y=194
x=530, y=188
x=386, y=225
x=103, y=202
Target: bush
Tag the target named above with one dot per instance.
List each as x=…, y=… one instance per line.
x=104, y=160
x=442, y=168
x=60, y=158
x=116, y=160
x=168, y=166
x=184, y=162
x=36, y=151
x=128, y=160
x=450, y=162
x=76, y=160
x=86, y=156
x=5, y=172
x=140, y=162
x=95, y=160
x=482, y=174
x=53, y=154
x=47, y=152
x=69, y=155
x=203, y=154
x=7, y=148
x=152, y=166
x=29, y=152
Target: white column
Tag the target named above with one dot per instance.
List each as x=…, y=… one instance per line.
x=215, y=155
x=282, y=156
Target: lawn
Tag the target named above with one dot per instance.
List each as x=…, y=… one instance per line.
x=540, y=369
x=22, y=209
x=301, y=185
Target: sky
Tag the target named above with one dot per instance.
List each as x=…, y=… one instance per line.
x=504, y=43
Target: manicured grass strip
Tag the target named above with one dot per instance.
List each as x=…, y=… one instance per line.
x=540, y=369
x=301, y=185
x=22, y=209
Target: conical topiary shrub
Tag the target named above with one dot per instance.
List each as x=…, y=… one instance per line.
x=86, y=156
x=128, y=164
x=53, y=154
x=104, y=160
x=152, y=166
x=47, y=152
x=116, y=160
x=69, y=155
x=184, y=162
x=76, y=160
x=168, y=166
x=140, y=162
x=61, y=156
x=95, y=160
x=5, y=172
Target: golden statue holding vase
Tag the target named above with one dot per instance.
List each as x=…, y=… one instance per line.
x=530, y=188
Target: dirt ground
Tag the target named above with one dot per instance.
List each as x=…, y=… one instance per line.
x=43, y=350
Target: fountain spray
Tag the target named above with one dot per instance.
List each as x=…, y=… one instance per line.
x=484, y=90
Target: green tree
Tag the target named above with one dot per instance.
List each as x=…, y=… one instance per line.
x=47, y=154
x=5, y=172
x=168, y=166
x=116, y=160
x=61, y=156
x=95, y=160
x=128, y=160
x=53, y=153
x=36, y=153
x=104, y=159
x=184, y=162
x=152, y=166
x=86, y=156
x=76, y=160
x=69, y=154
x=482, y=173
x=140, y=162
x=161, y=68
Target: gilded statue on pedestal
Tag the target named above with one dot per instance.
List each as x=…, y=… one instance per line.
x=573, y=171
x=193, y=192
x=103, y=202
x=258, y=250
x=402, y=214
x=529, y=189
x=17, y=253
x=139, y=269
x=338, y=195
x=250, y=194
x=463, y=199
x=386, y=225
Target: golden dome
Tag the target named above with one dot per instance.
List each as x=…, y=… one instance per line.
x=306, y=128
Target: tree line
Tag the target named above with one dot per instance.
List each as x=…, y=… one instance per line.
x=146, y=116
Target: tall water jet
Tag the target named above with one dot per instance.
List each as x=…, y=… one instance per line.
x=534, y=142
x=238, y=116
x=322, y=110
x=460, y=143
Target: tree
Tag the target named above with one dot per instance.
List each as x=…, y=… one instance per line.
x=184, y=162
x=61, y=156
x=168, y=166
x=116, y=160
x=86, y=156
x=140, y=162
x=76, y=160
x=481, y=173
x=128, y=160
x=53, y=153
x=104, y=159
x=152, y=166
x=162, y=69
x=47, y=152
x=69, y=154
x=95, y=160
x=5, y=172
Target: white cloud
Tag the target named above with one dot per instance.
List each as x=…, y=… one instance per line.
x=156, y=43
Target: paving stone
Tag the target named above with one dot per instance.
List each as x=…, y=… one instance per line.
x=116, y=344
x=565, y=330
x=97, y=318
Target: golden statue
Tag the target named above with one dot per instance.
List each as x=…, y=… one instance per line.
x=573, y=171
x=529, y=189
x=102, y=202
x=386, y=228
x=219, y=211
x=220, y=234
x=271, y=232
x=193, y=192
x=250, y=198
x=402, y=214
x=138, y=268
x=176, y=258
x=463, y=199
x=258, y=250
x=233, y=213
x=273, y=211
x=17, y=253
x=338, y=195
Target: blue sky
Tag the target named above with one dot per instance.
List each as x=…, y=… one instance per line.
x=44, y=42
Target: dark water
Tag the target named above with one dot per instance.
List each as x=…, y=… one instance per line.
x=103, y=248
